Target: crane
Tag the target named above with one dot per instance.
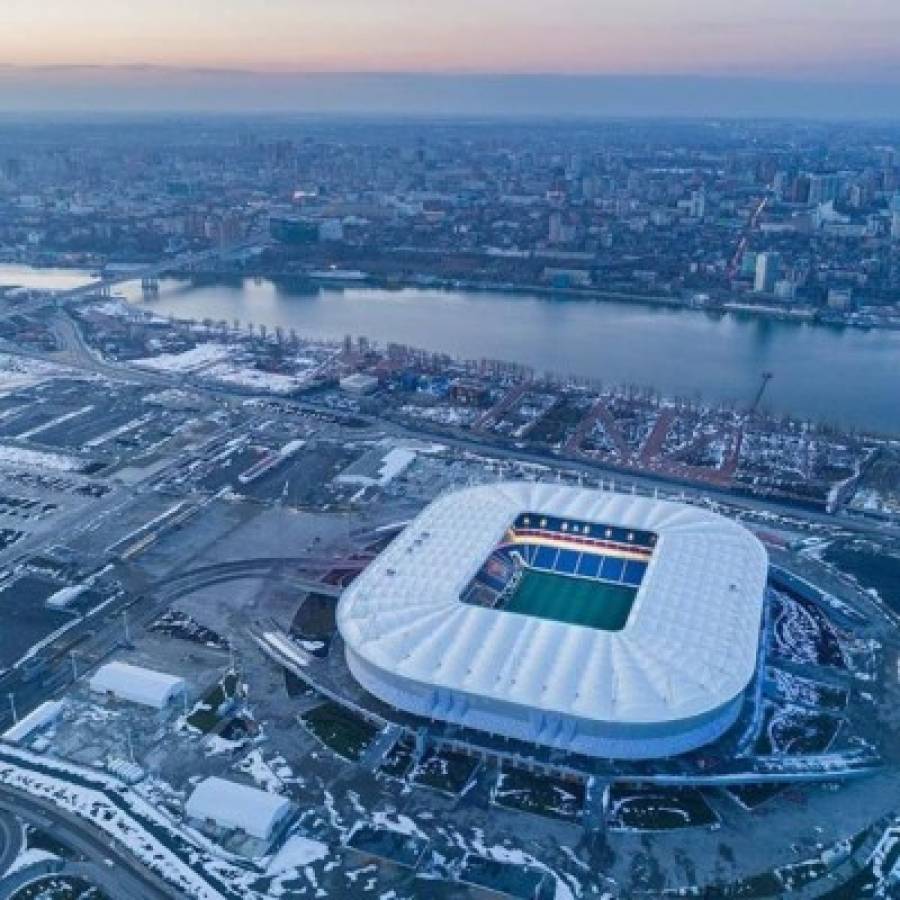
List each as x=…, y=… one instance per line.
x=766, y=378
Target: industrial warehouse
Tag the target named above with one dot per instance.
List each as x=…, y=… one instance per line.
x=606, y=625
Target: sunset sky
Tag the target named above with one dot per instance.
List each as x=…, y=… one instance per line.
x=827, y=39
x=813, y=58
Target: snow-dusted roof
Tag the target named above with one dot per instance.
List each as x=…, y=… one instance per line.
x=688, y=647
x=233, y=805
x=136, y=684
x=41, y=716
x=381, y=470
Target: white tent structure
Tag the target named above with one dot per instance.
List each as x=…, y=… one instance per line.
x=230, y=805
x=671, y=680
x=40, y=717
x=136, y=684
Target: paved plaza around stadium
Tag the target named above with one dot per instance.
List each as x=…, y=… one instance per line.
x=575, y=601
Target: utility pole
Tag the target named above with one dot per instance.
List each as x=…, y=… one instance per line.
x=125, y=627
x=12, y=707
x=74, y=666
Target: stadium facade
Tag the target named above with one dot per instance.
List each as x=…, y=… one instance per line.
x=596, y=623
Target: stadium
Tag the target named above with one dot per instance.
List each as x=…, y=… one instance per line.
x=595, y=623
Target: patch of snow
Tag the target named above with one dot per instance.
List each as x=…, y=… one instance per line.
x=18, y=372
x=271, y=382
x=398, y=823
x=30, y=857
x=297, y=851
x=189, y=361
x=59, y=420
x=64, y=596
x=36, y=459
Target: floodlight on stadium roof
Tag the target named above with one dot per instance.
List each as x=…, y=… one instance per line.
x=671, y=679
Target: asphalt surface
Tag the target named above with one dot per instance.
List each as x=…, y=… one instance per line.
x=99, y=634
x=10, y=840
x=127, y=877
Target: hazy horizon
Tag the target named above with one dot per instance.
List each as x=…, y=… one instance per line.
x=142, y=88
x=573, y=58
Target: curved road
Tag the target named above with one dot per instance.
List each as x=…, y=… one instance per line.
x=10, y=839
x=126, y=878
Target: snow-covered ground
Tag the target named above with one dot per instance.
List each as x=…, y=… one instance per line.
x=187, y=362
x=297, y=851
x=229, y=364
x=30, y=856
x=36, y=459
x=256, y=379
x=18, y=372
x=89, y=796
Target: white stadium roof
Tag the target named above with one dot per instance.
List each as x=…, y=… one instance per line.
x=689, y=646
x=232, y=805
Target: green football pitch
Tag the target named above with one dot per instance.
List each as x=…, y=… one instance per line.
x=579, y=601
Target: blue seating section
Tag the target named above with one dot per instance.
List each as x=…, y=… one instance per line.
x=492, y=581
x=545, y=558
x=612, y=568
x=566, y=562
x=580, y=563
x=634, y=572
x=589, y=565
x=497, y=570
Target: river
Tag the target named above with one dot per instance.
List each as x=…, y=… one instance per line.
x=846, y=376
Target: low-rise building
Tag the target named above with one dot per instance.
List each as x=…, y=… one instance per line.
x=359, y=383
x=226, y=804
x=137, y=684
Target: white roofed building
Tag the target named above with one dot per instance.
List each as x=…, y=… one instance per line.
x=39, y=718
x=359, y=383
x=137, y=684
x=230, y=805
x=379, y=467
x=667, y=676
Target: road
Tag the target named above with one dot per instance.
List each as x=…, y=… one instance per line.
x=646, y=482
x=100, y=633
x=76, y=352
x=126, y=878
x=181, y=262
x=83, y=356
x=10, y=839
